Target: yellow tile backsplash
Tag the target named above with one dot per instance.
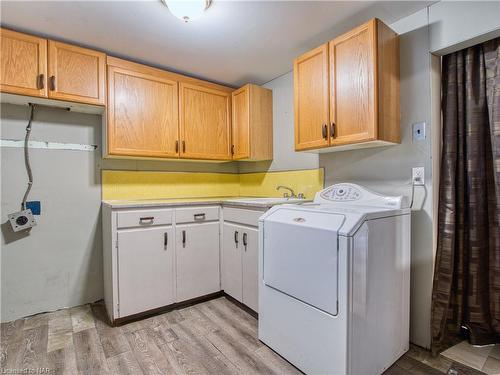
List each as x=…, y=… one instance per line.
x=128, y=185
x=153, y=185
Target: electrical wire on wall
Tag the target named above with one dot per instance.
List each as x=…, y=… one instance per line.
x=27, y=156
x=24, y=219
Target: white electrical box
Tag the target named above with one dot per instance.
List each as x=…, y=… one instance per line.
x=22, y=220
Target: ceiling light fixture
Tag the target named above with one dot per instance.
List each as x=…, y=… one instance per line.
x=187, y=10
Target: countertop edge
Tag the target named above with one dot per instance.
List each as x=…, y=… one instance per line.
x=186, y=204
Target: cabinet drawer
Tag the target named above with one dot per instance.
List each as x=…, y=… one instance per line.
x=196, y=214
x=242, y=216
x=143, y=218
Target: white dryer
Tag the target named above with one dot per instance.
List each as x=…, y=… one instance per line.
x=334, y=281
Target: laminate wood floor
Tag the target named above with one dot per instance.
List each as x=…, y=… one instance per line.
x=213, y=337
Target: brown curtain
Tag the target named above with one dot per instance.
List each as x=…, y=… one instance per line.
x=466, y=290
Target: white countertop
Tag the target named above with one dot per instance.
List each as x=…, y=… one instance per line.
x=255, y=202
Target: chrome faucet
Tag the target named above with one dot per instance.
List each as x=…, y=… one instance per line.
x=286, y=195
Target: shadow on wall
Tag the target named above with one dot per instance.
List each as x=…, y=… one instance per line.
x=90, y=273
x=10, y=236
x=258, y=166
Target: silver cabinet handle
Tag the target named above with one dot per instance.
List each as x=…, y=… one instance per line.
x=199, y=216
x=147, y=220
x=183, y=238
x=165, y=241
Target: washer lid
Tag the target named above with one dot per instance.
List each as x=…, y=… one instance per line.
x=300, y=256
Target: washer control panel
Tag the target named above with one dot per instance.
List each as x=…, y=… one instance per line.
x=341, y=192
x=358, y=195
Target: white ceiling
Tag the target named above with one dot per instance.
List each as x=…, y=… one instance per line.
x=234, y=42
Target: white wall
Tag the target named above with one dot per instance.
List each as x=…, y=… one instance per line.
x=58, y=263
x=455, y=25
x=285, y=157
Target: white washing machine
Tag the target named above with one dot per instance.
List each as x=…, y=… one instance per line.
x=334, y=281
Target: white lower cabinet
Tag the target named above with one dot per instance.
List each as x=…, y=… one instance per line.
x=197, y=260
x=145, y=258
x=155, y=257
x=231, y=266
x=240, y=256
x=250, y=274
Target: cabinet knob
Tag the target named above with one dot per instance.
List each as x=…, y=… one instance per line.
x=332, y=129
x=176, y=146
x=183, y=146
x=324, y=131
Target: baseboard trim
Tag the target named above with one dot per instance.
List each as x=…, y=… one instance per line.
x=164, y=309
x=241, y=305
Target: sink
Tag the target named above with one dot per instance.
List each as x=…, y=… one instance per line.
x=267, y=201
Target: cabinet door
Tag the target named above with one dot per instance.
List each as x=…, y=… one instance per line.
x=250, y=242
x=205, y=122
x=310, y=72
x=145, y=269
x=23, y=64
x=231, y=260
x=352, y=63
x=197, y=258
x=76, y=74
x=241, y=123
x=142, y=114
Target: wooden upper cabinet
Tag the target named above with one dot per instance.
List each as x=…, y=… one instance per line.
x=311, y=99
x=363, y=96
x=352, y=86
x=241, y=123
x=23, y=64
x=76, y=74
x=205, y=122
x=142, y=116
x=252, y=125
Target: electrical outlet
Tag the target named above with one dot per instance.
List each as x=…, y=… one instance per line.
x=417, y=176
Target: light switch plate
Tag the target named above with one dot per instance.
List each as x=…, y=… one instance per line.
x=418, y=131
x=417, y=176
